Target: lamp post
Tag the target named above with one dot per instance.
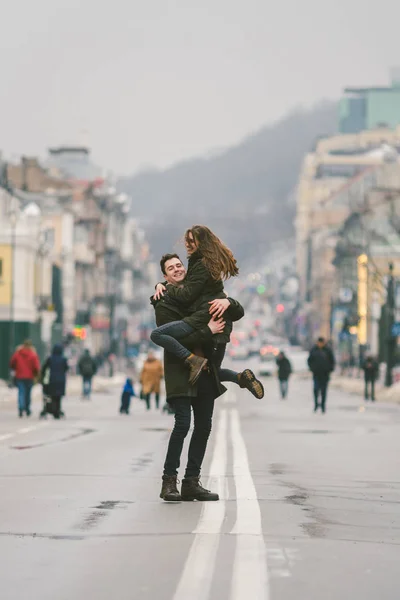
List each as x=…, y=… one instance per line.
x=391, y=340
x=13, y=218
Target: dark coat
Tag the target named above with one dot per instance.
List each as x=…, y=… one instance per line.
x=195, y=293
x=371, y=369
x=176, y=373
x=57, y=364
x=284, y=368
x=87, y=365
x=321, y=361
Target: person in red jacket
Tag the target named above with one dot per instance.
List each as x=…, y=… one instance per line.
x=26, y=365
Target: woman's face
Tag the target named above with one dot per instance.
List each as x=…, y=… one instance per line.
x=190, y=243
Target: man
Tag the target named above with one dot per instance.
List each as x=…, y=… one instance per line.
x=87, y=369
x=284, y=372
x=321, y=362
x=183, y=396
x=371, y=374
x=25, y=363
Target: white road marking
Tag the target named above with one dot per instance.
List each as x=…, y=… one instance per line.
x=250, y=575
x=6, y=436
x=27, y=429
x=196, y=579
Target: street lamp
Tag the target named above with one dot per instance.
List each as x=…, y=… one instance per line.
x=13, y=219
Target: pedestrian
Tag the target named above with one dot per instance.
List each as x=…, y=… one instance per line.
x=371, y=374
x=127, y=393
x=284, y=372
x=321, y=362
x=26, y=366
x=183, y=397
x=87, y=368
x=150, y=379
x=55, y=371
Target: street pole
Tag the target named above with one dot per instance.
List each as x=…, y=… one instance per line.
x=13, y=221
x=391, y=341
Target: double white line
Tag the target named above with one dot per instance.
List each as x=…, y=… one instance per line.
x=249, y=569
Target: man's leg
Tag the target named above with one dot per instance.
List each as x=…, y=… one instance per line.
x=21, y=396
x=284, y=388
x=373, y=390
x=203, y=407
x=157, y=400
x=324, y=390
x=181, y=428
x=28, y=395
x=366, y=397
x=316, y=393
x=147, y=399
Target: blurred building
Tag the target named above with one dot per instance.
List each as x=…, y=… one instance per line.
x=370, y=107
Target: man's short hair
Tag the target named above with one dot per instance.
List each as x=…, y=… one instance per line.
x=321, y=340
x=165, y=259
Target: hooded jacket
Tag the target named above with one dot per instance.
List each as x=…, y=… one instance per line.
x=57, y=364
x=25, y=362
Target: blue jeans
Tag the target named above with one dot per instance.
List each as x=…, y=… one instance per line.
x=87, y=386
x=24, y=394
x=284, y=385
x=167, y=335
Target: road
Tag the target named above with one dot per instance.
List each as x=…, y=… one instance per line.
x=310, y=503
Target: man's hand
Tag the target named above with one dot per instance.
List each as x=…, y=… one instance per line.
x=160, y=289
x=216, y=326
x=218, y=307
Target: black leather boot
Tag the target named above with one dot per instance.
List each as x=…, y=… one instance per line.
x=169, y=491
x=193, y=490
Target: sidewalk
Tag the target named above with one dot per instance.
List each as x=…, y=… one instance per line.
x=74, y=387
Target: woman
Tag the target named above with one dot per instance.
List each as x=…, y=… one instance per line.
x=150, y=379
x=210, y=262
x=55, y=371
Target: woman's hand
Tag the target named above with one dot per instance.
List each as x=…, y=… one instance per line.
x=160, y=289
x=218, y=307
x=216, y=326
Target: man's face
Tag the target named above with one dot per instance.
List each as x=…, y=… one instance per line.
x=174, y=271
x=321, y=343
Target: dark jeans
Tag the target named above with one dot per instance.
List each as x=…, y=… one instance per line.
x=24, y=395
x=320, y=387
x=284, y=385
x=87, y=386
x=369, y=384
x=125, y=402
x=203, y=407
x=147, y=400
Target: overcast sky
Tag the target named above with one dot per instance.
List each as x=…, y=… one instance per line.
x=155, y=81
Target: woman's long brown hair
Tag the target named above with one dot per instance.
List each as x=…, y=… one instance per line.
x=217, y=257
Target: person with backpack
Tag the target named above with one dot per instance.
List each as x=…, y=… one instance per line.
x=87, y=368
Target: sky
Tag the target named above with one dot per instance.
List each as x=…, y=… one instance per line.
x=151, y=82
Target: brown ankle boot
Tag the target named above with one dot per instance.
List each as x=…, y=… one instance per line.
x=193, y=490
x=248, y=380
x=169, y=491
x=196, y=364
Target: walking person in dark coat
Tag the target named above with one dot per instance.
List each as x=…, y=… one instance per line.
x=371, y=374
x=87, y=368
x=284, y=372
x=57, y=365
x=321, y=362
